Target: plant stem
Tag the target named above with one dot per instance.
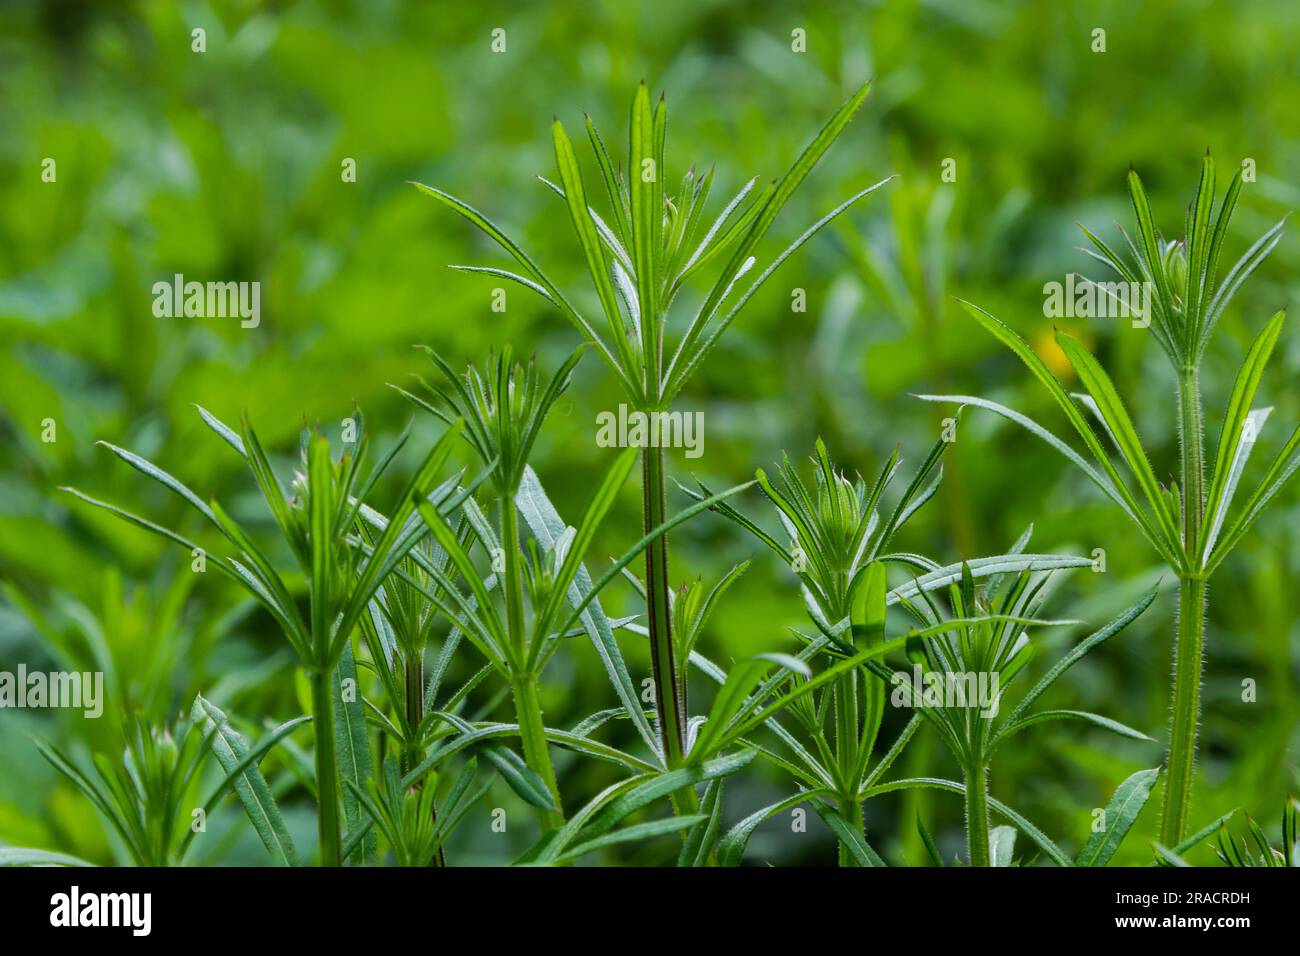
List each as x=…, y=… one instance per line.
x=1186, y=708
x=1190, y=642
x=528, y=707
x=514, y=583
x=327, y=771
x=977, y=816
x=1191, y=437
x=414, y=717
x=414, y=673
x=532, y=733
x=851, y=810
x=669, y=704
x=846, y=752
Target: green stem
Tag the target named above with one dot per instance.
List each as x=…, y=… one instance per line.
x=846, y=726
x=514, y=583
x=669, y=703
x=327, y=770
x=1186, y=708
x=1191, y=436
x=977, y=817
x=846, y=751
x=414, y=679
x=851, y=810
x=532, y=733
x=414, y=717
x=1189, y=647
x=523, y=683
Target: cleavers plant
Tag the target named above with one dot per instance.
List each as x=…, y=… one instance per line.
x=840, y=547
x=503, y=410
x=639, y=259
x=318, y=523
x=1187, y=523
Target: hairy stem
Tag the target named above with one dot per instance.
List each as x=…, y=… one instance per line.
x=977, y=817
x=327, y=770
x=1190, y=642
x=1191, y=437
x=1186, y=710
x=668, y=701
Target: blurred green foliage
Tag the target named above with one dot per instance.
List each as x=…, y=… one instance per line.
x=227, y=165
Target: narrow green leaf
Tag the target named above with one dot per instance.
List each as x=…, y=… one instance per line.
x=1102, y=390
x=603, y=499
x=1105, y=723
x=1077, y=652
x=575, y=198
x=259, y=805
x=1147, y=235
x=1233, y=434
x=1038, y=430
x=1025, y=352
x=1275, y=479
x=1129, y=799
x=531, y=270
x=980, y=568
x=699, y=842
x=931, y=848
x=791, y=181
x=19, y=856
x=633, y=834
x=849, y=835
x=731, y=850
x=521, y=778
x=733, y=695
x=547, y=526
x=1002, y=845
x=663, y=784
x=644, y=175
x=353, y=748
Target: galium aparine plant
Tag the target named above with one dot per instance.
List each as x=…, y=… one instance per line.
x=1190, y=522
x=640, y=256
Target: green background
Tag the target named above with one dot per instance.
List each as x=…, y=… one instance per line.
x=226, y=165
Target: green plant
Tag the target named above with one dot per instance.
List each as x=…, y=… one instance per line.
x=406, y=816
x=145, y=796
x=318, y=523
x=1188, y=523
x=503, y=410
x=638, y=261
x=840, y=547
x=397, y=633
x=963, y=678
x=1255, y=849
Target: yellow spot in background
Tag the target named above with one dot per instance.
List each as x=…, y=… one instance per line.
x=1044, y=345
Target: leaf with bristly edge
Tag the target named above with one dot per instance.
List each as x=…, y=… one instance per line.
x=1129, y=799
x=251, y=787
